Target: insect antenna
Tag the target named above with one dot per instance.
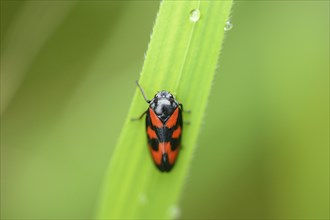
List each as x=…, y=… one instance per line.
x=142, y=91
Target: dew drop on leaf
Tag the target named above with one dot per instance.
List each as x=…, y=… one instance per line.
x=195, y=14
x=143, y=199
x=175, y=212
x=228, y=25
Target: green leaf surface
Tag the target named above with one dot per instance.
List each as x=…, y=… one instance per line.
x=182, y=58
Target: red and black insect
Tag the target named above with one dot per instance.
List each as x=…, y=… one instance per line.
x=164, y=128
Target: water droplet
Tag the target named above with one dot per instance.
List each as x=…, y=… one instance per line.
x=143, y=199
x=175, y=212
x=195, y=15
x=228, y=25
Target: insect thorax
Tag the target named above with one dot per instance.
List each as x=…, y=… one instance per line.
x=163, y=104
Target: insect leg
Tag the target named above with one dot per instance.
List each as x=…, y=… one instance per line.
x=139, y=118
x=181, y=106
x=186, y=111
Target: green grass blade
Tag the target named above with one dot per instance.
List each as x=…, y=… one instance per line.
x=181, y=58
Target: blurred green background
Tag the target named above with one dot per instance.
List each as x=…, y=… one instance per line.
x=67, y=80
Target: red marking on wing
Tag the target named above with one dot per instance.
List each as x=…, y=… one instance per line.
x=151, y=133
x=155, y=120
x=173, y=119
x=156, y=155
x=172, y=155
x=176, y=133
x=165, y=147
